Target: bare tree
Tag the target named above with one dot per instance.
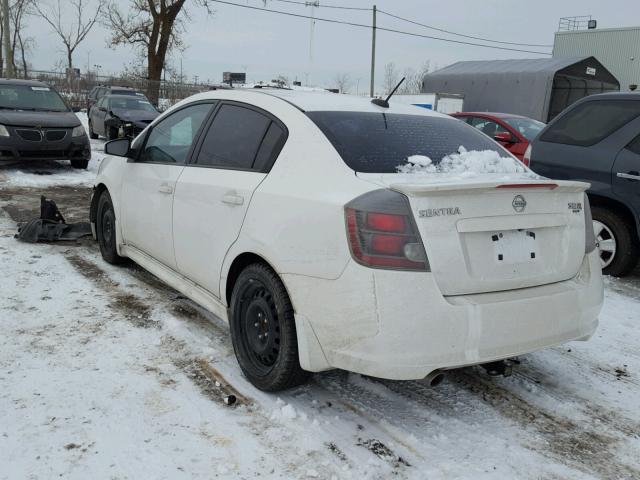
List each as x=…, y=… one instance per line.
x=343, y=82
x=154, y=28
x=413, y=79
x=19, y=43
x=391, y=78
x=74, y=31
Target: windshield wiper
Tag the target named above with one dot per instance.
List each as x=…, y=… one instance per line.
x=7, y=108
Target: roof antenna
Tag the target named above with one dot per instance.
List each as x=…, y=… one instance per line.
x=385, y=103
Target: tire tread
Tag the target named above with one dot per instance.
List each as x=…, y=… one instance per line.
x=288, y=373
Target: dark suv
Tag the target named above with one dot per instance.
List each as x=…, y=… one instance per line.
x=597, y=139
x=100, y=91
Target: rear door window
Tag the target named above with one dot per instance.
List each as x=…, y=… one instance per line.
x=234, y=137
x=379, y=142
x=591, y=122
x=634, y=145
x=270, y=147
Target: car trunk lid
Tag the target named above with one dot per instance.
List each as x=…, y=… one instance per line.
x=495, y=233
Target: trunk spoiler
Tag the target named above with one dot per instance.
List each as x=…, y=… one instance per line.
x=421, y=189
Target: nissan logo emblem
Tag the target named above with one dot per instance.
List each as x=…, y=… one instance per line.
x=519, y=203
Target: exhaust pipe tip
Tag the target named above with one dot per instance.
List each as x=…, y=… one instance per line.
x=434, y=379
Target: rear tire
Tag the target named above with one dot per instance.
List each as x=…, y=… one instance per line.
x=263, y=330
x=618, y=234
x=92, y=134
x=80, y=163
x=106, y=230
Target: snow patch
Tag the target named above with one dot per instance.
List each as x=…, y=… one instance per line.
x=285, y=412
x=465, y=163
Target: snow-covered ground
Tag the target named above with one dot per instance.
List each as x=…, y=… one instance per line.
x=107, y=373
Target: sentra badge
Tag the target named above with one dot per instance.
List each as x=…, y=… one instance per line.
x=439, y=212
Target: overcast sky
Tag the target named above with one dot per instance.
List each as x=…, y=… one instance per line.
x=266, y=45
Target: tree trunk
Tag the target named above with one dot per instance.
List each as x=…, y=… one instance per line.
x=156, y=58
x=23, y=55
x=154, y=74
x=1, y=50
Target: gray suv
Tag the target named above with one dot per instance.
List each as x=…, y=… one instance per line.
x=597, y=139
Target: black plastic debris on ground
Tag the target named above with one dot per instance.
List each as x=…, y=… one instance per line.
x=51, y=226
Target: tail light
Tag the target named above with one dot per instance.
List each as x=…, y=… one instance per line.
x=382, y=232
x=527, y=156
x=589, y=235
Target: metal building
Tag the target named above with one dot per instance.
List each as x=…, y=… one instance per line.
x=536, y=88
x=617, y=48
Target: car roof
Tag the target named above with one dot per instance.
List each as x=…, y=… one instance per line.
x=490, y=114
x=317, y=101
x=17, y=81
x=127, y=97
x=612, y=96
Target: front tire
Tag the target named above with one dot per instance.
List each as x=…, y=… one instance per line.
x=616, y=242
x=106, y=229
x=80, y=163
x=263, y=330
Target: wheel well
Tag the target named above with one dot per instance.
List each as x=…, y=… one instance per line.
x=618, y=207
x=240, y=263
x=93, y=211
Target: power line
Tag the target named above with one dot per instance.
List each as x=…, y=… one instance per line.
x=361, y=25
x=312, y=3
x=461, y=34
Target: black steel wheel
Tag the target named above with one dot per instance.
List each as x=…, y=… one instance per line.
x=106, y=229
x=263, y=330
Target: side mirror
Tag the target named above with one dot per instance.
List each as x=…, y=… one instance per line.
x=75, y=109
x=504, y=137
x=120, y=147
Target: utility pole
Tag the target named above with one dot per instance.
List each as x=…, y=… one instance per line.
x=6, y=39
x=373, y=52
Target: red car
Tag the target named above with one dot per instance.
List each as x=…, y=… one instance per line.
x=513, y=132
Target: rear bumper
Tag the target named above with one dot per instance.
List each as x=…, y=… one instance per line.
x=13, y=149
x=397, y=325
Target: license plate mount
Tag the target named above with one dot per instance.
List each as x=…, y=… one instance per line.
x=514, y=246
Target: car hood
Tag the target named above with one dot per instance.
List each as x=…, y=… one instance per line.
x=135, y=115
x=21, y=118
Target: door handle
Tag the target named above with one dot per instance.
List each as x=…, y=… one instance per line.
x=165, y=188
x=232, y=199
x=629, y=176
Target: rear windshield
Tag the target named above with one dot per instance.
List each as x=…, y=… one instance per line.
x=380, y=142
x=31, y=97
x=131, y=104
x=126, y=92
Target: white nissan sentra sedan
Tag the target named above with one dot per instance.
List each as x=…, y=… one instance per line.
x=331, y=232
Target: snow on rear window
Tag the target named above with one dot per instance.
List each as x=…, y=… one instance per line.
x=463, y=163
